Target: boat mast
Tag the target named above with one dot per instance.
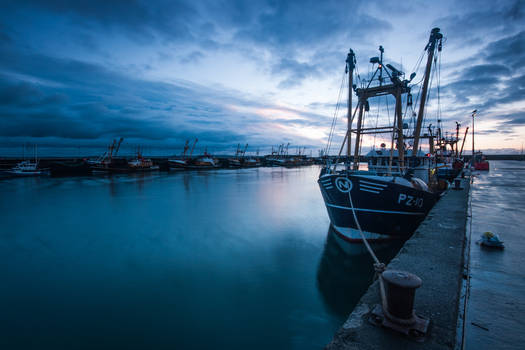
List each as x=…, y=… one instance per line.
x=463, y=143
x=435, y=36
x=400, y=138
x=473, y=114
x=457, y=138
x=350, y=66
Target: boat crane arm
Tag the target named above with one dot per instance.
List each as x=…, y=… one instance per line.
x=463, y=143
x=118, y=145
x=193, y=147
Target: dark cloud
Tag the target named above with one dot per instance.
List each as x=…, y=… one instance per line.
x=77, y=100
x=496, y=83
x=486, y=71
x=141, y=20
x=299, y=23
x=514, y=119
x=473, y=21
x=25, y=94
x=509, y=50
x=296, y=72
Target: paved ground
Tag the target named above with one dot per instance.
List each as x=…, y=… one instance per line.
x=434, y=253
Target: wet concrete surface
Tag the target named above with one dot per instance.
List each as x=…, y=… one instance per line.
x=496, y=306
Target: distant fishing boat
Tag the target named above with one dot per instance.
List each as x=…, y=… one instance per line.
x=108, y=163
x=391, y=205
x=251, y=162
x=182, y=162
x=480, y=162
x=206, y=161
x=237, y=161
x=449, y=162
x=142, y=164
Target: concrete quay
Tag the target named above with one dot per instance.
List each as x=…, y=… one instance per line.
x=435, y=253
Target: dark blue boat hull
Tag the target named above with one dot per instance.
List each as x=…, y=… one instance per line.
x=386, y=208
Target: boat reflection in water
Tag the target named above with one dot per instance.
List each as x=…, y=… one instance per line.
x=345, y=272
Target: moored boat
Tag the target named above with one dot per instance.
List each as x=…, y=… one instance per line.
x=26, y=168
x=142, y=164
x=182, y=162
x=390, y=202
x=108, y=163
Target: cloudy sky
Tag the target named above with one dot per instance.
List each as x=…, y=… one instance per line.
x=79, y=73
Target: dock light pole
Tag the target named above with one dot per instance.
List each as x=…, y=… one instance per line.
x=473, y=114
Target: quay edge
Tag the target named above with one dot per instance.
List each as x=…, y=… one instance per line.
x=435, y=253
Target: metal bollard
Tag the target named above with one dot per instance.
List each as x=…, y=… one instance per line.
x=400, y=288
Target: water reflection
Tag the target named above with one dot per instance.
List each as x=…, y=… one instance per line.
x=159, y=259
x=346, y=270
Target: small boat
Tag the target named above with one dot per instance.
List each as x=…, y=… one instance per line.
x=26, y=168
x=491, y=240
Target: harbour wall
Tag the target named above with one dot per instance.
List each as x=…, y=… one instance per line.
x=435, y=253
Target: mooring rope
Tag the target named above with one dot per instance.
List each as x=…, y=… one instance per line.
x=379, y=268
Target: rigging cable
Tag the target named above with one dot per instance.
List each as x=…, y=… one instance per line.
x=334, y=120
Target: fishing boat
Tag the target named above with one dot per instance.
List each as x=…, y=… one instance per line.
x=139, y=163
x=280, y=157
x=108, y=163
x=392, y=204
x=480, y=162
x=182, y=162
x=449, y=159
x=236, y=162
x=206, y=161
x=251, y=162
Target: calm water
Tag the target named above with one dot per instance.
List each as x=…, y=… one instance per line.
x=225, y=259
x=497, y=295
